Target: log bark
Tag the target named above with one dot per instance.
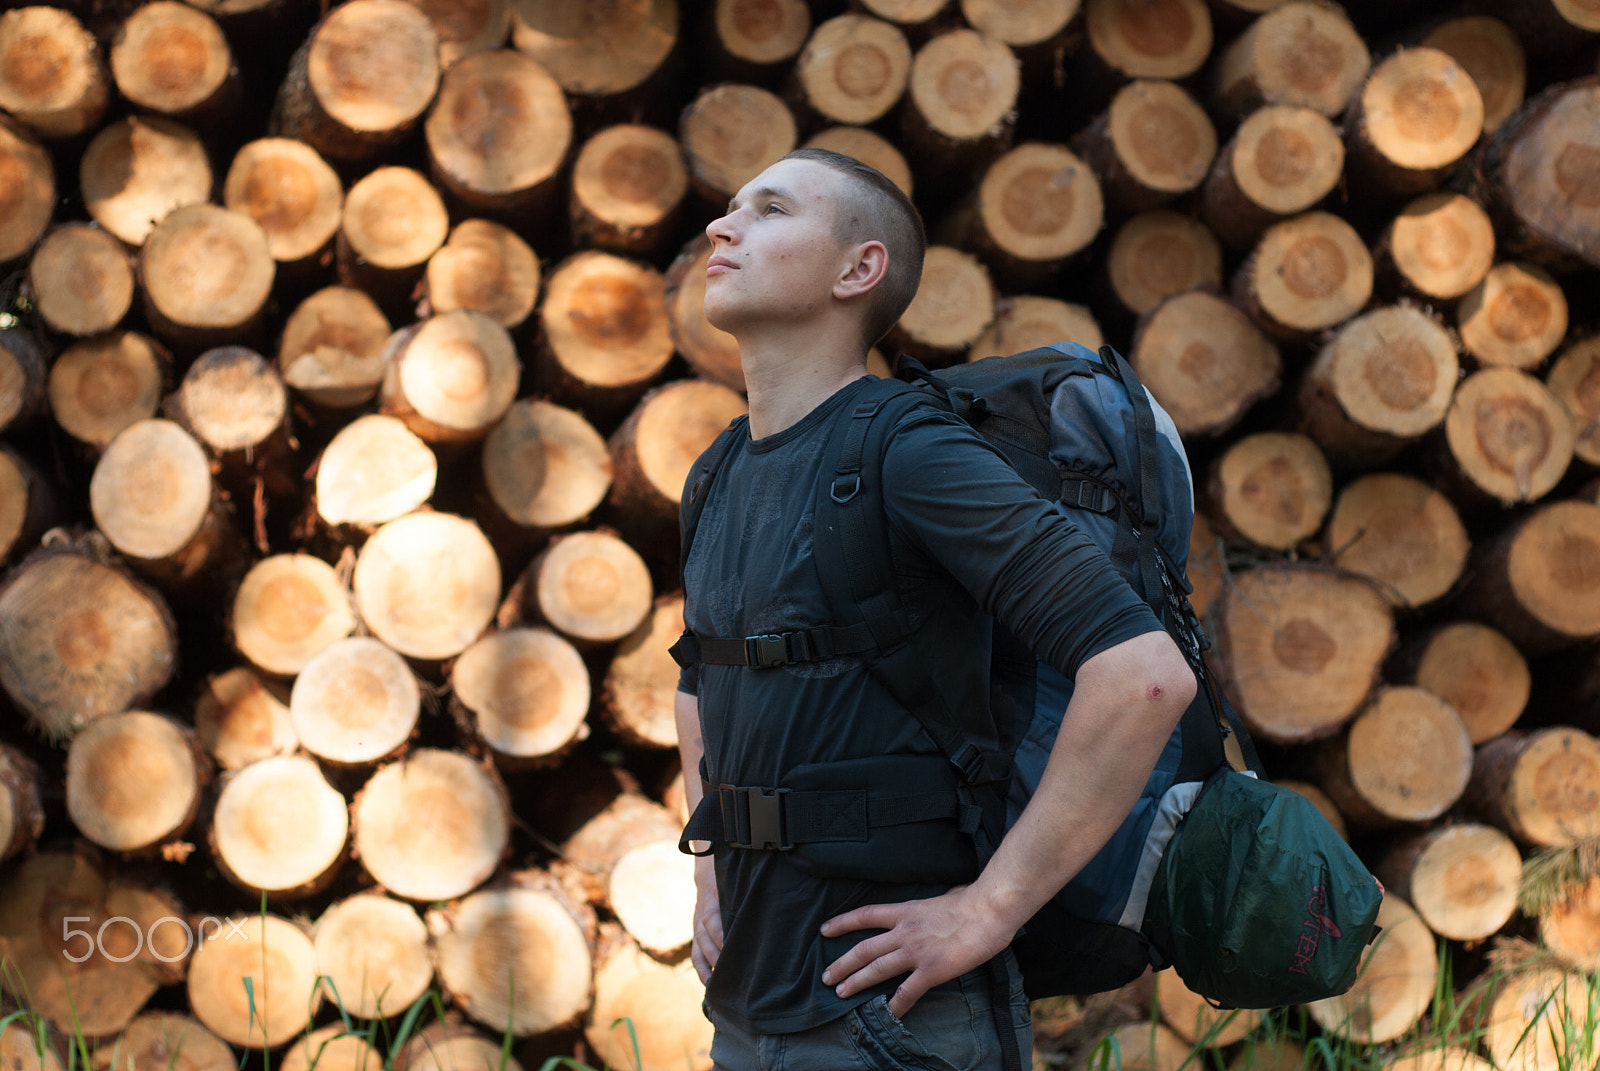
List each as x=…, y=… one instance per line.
x=1506, y=438
x=853, y=70
x=172, y=59
x=953, y=305
x=373, y=471
x=80, y=639
x=486, y=268
x=1035, y=207
x=524, y=693
x=1491, y=53
x=654, y=449
x=332, y=348
x=1302, y=53
x=498, y=133
x=753, y=40
x=467, y=29
x=107, y=383
x=293, y=194
x=1405, y=759
x=1515, y=317
x=1400, y=533
x=1149, y=38
x=637, y=696
x=241, y=718
x=1204, y=361
x=1538, y=581
x=1272, y=489
x=280, y=963
x=393, y=222
x=871, y=149
x=1541, y=787
x=710, y=351
x=1438, y=248
x=30, y=184
x=451, y=377
x=1550, y=26
x=1305, y=275
x=427, y=584
x=628, y=186
x=1574, y=379
x=1571, y=928
x=355, y=703
x=23, y=358
x=1206, y=570
x=27, y=505
x=279, y=828
x=1300, y=647
x=1193, y=1018
x=431, y=827
x=661, y=1000
x=162, y=1039
x=1384, y=381
x=590, y=586
x=81, y=279
x=517, y=958
x=153, y=496
x=1156, y=255
x=1539, y=170
x=1283, y=160
x=1026, y=322
x=134, y=780
x=1152, y=145
x=605, y=336
x=21, y=808
x=206, y=274
x=729, y=135
x=545, y=467
x=960, y=107
x=1476, y=670
x=288, y=608
x=137, y=171
x=361, y=80
x=54, y=78
x=1462, y=878
x=1396, y=983
x=1416, y=115
x=375, y=950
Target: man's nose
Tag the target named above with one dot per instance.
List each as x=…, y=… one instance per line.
x=721, y=229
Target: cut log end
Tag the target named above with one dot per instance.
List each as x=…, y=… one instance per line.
x=963, y=85
x=660, y=1000
x=1489, y=51
x=1286, y=159
x=466, y=29
x=279, y=827
x=1401, y=533
x=1020, y=25
x=278, y=960
x=656, y=447
x=599, y=51
x=82, y=280
x=372, y=472
x=376, y=952
x=652, y=892
x=453, y=377
x=372, y=67
x=132, y=781
x=1508, y=435
x=730, y=134
x=1442, y=245
x=1162, y=140
x=394, y=218
x=1274, y=488
x=954, y=303
x=871, y=149
x=331, y=1048
x=627, y=187
x=605, y=324
x=545, y=466
x=1571, y=928
x=1418, y=112
x=240, y=719
x=332, y=347
x=1306, y=274
x=1301, y=53
x=233, y=400
x=290, y=191
x=1515, y=317
x=207, y=272
x=170, y=58
x=355, y=702
x=591, y=586
x=1543, y=788
x=1575, y=380
x=1193, y=1018
x=499, y=129
x=1526, y=1016
x=166, y=1038
x=27, y=192
x=1547, y=170
x=431, y=827
x=641, y=685
x=1553, y=567
x=709, y=350
x=527, y=691
x=1396, y=983
x=1479, y=672
x=1205, y=362
x=854, y=69
x=1158, y=254
x=137, y=171
x=1026, y=322
x=53, y=78
x=1039, y=204
x=761, y=32
x=1140, y=39
x=486, y=268
x=1461, y=878
x=1407, y=758
x=288, y=608
x=152, y=491
x=427, y=584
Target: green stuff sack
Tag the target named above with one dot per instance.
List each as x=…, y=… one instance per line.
x=1258, y=902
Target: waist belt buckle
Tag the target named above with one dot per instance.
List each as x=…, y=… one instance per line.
x=766, y=652
x=765, y=808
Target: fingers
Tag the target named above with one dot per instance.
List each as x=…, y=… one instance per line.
x=881, y=969
x=713, y=927
x=910, y=991
x=701, y=966
x=871, y=917
x=858, y=957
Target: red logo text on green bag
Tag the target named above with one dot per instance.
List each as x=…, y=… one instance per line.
x=1316, y=924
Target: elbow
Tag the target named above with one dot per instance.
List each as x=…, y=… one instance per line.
x=1166, y=683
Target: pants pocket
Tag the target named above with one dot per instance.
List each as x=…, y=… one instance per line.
x=936, y=1035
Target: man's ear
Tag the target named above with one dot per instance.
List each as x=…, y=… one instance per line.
x=865, y=271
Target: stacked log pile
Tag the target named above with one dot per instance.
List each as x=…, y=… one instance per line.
x=352, y=360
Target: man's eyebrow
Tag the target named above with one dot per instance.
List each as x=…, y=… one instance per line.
x=761, y=194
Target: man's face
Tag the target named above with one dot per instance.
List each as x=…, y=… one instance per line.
x=775, y=256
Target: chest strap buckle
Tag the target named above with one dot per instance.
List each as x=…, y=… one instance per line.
x=766, y=652
x=762, y=815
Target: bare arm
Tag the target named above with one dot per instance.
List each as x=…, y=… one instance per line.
x=1126, y=701
x=707, y=945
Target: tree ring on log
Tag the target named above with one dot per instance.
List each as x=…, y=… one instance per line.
x=131, y=781
x=1509, y=434
x=291, y=191
x=427, y=584
x=137, y=171
x=373, y=65
x=964, y=84
x=1204, y=361
x=169, y=57
x=1516, y=316
x=1287, y=158
x=27, y=192
x=528, y=690
x=279, y=827
x=1150, y=38
x=288, y=608
x=854, y=68
x=1040, y=203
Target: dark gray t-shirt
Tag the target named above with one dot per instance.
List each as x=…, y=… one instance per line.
x=960, y=520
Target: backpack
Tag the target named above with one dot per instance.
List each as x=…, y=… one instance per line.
x=1083, y=431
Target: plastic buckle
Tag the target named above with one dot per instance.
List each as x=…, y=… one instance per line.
x=766, y=652
x=1089, y=497
x=765, y=809
x=841, y=496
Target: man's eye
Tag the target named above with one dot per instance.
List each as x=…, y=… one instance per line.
x=773, y=208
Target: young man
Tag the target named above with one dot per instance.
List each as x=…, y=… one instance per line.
x=806, y=968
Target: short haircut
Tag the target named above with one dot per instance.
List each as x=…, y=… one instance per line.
x=877, y=209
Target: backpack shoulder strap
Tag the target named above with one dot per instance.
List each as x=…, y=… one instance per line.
x=696, y=490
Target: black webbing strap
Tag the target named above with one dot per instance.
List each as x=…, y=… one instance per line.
x=776, y=819
x=1144, y=425
x=873, y=588
x=1000, y=1006
x=817, y=644
x=699, y=484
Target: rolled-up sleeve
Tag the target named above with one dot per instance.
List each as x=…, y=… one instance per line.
x=954, y=499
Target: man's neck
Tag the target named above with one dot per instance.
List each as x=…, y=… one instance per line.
x=786, y=378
